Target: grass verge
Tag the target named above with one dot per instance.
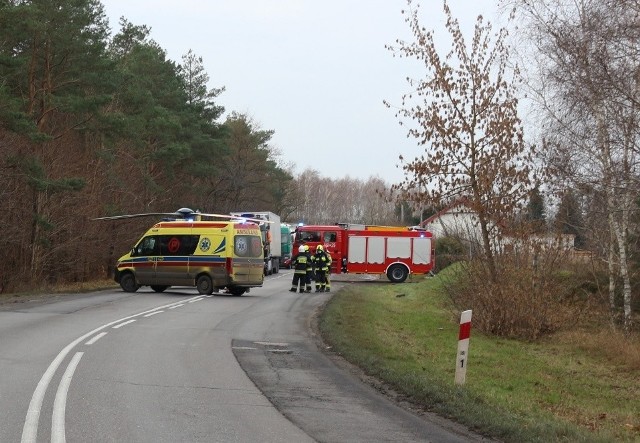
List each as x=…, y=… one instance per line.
x=546, y=391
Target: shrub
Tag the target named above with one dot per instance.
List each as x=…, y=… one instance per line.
x=448, y=250
x=534, y=295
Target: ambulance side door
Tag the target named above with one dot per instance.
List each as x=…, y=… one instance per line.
x=149, y=249
x=172, y=267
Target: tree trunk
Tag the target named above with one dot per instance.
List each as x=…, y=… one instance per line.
x=488, y=252
x=617, y=207
x=612, y=277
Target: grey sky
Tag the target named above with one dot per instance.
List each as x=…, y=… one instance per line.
x=315, y=72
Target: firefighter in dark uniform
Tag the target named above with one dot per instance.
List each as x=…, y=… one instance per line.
x=301, y=263
x=327, y=279
x=310, y=269
x=321, y=262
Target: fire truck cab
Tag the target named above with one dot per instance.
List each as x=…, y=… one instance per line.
x=394, y=251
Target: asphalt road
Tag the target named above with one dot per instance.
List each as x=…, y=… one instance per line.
x=179, y=367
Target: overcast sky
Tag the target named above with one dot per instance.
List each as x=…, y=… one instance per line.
x=314, y=71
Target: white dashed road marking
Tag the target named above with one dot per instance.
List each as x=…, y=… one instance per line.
x=30, y=428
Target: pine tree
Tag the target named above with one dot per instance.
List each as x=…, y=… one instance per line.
x=56, y=77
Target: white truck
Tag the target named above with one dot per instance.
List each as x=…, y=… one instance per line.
x=271, y=239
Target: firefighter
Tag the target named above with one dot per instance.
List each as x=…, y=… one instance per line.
x=327, y=279
x=300, y=263
x=310, y=268
x=321, y=263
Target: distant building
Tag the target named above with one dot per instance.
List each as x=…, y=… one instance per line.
x=457, y=220
x=460, y=221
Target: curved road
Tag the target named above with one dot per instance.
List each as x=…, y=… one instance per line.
x=179, y=367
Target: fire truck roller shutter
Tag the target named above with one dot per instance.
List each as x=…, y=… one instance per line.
x=375, y=250
x=398, y=247
x=421, y=251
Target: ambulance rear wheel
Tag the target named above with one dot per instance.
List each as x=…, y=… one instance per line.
x=397, y=273
x=204, y=285
x=158, y=288
x=128, y=283
x=237, y=291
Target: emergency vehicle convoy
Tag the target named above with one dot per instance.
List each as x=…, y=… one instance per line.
x=210, y=255
x=394, y=251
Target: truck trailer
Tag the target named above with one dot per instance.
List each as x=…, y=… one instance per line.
x=286, y=245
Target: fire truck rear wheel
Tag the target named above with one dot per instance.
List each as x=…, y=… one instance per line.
x=128, y=282
x=204, y=285
x=397, y=273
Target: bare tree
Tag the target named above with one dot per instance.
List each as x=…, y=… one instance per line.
x=464, y=112
x=323, y=200
x=589, y=89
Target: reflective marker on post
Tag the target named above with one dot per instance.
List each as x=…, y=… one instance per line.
x=463, y=347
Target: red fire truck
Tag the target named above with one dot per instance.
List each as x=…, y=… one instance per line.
x=394, y=251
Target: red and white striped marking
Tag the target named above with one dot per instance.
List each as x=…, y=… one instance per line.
x=463, y=347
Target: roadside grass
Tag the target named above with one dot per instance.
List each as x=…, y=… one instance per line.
x=561, y=388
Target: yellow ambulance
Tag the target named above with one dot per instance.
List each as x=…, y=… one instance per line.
x=210, y=255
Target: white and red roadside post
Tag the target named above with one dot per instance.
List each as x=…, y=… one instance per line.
x=463, y=347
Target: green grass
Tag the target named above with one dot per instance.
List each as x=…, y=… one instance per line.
x=546, y=391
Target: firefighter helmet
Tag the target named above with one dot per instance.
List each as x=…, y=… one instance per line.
x=301, y=249
x=319, y=248
x=306, y=248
